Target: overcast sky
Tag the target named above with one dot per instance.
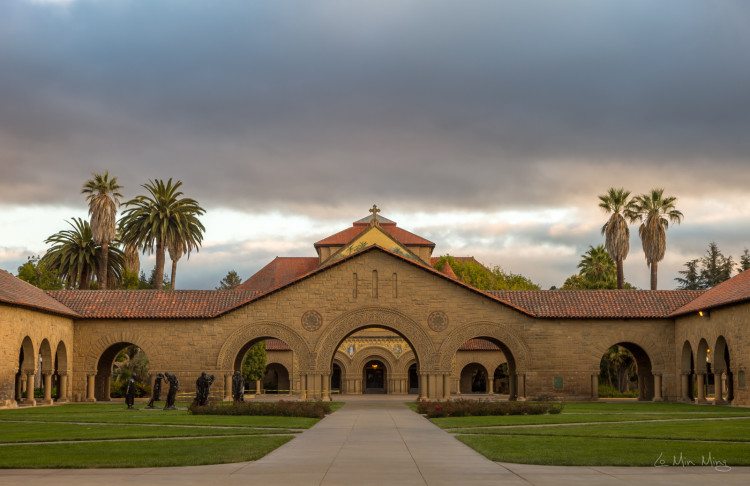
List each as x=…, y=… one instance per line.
x=488, y=127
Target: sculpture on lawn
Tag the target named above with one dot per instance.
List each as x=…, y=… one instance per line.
x=130, y=393
x=203, y=389
x=156, y=392
x=174, y=385
x=238, y=387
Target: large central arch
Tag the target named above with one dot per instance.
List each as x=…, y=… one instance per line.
x=368, y=317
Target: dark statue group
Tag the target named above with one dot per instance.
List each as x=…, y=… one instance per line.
x=202, y=390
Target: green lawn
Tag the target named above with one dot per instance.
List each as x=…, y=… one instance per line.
x=109, y=435
x=654, y=432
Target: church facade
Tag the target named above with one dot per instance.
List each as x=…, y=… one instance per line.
x=371, y=314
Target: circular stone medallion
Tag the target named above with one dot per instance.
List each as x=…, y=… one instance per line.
x=311, y=320
x=437, y=321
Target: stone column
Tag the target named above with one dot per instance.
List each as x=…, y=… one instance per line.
x=521, y=386
x=227, y=388
x=700, y=388
x=302, y=386
x=657, y=389
x=47, y=377
x=718, y=389
x=432, y=386
x=29, y=399
x=422, y=387
x=326, y=387
x=446, y=386
x=595, y=386
x=19, y=387
x=685, y=387
x=108, y=387
x=63, y=387
x=90, y=383
x=490, y=385
x=512, y=386
x=258, y=388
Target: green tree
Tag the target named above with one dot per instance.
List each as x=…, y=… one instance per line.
x=477, y=275
x=597, y=270
x=254, y=362
x=154, y=221
x=745, y=260
x=103, y=196
x=654, y=211
x=691, y=276
x=74, y=255
x=39, y=275
x=716, y=268
x=615, y=230
x=230, y=281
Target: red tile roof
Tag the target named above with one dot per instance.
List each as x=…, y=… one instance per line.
x=15, y=291
x=279, y=271
x=448, y=271
x=597, y=304
x=276, y=345
x=404, y=237
x=152, y=304
x=479, y=344
x=734, y=290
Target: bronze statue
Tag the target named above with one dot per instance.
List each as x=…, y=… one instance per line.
x=130, y=393
x=203, y=389
x=174, y=385
x=156, y=392
x=238, y=387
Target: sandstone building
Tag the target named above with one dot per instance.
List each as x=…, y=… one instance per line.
x=370, y=313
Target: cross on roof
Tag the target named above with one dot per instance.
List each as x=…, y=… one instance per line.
x=374, y=210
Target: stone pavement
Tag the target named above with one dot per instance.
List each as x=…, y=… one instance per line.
x=374, y=442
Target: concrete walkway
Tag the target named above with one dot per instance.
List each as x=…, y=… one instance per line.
x=378, y=442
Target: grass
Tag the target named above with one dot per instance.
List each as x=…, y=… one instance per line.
x=674, y=433
x=109, y=435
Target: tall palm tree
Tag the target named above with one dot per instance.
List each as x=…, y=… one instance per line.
x=176, y=250
x=75, y=255
x=654, y=212
x=615, y=230
x=154, y=221
x=103, y=197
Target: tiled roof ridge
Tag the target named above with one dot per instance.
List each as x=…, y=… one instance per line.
x=731, y=291
x=14, y=291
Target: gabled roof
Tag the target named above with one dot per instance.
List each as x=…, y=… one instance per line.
x=401, y=235
x=371, y=236
x=598, y=304
x=15, y=291
x=732, y=291
x=279, y=271
x=152, y=304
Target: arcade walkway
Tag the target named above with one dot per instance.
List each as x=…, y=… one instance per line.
x=376, y=441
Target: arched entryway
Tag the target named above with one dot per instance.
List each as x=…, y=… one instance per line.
x=702, y=371
x=501, y=380
x=687, y=373
x=374, y=377
x=625, y=372
x=723, y=379
x=116, y=365
x=25, y=377
x=474, y=379
x=413, y=378
x=276, y=379
x=336, y=380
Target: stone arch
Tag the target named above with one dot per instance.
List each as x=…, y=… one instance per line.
x=27, y=357
x=655, y=355
x=701, y=357
x=723, y=373
x=405, y=361
x=369, y=317
x=687, y=364
x=512, y=344
x=380, y=353
x=687, y=372
x=255, y=332
x=93, y=354
x=277, y=378
x=104, y=368
x=647, y=385
x=721, y=355
x=467, y=374
x=45, y=352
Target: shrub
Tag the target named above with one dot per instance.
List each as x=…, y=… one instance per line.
x=466, y=408
x=281, y=408
x=119, y=386
x=606, y=391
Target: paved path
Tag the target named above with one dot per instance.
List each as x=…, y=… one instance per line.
x=379, y=443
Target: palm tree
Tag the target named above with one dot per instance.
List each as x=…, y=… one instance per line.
x=654, y=212
x=176, y=250
x=155, y=221
x=75, y=255
x=615, y=230
x=103, y=198
x=597, y=266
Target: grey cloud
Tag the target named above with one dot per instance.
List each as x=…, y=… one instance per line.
x=329, y=104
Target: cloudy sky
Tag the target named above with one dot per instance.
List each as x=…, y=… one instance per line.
x=488, y=127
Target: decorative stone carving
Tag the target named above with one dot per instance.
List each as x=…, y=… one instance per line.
x=437, y=321
x=312, y=320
